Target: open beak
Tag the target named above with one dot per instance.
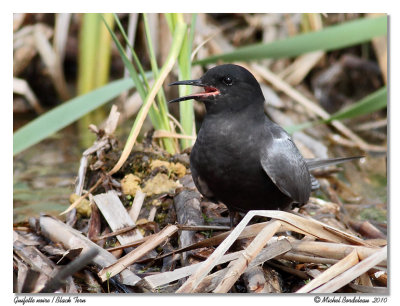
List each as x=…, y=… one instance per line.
x=209, y=91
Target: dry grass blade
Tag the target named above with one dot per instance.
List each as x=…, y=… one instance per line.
x=131, y=245
x=293, y=256
x=350, y=238
x=115, y=233
x=78, y=200
x=166, y=134
x=24, y=46
x=22, y=87
x=352, y=273
x=80, y=180
x=380, y=46
x=372, y=125
x=63, y=21
x=298, y=70
x=312, y=227
x=341, y=266
x=240, y=265
x=112, y=121
x=132, y=27
x=290, y=270
x=52, y=62
x=185, y=227
x=137, y=253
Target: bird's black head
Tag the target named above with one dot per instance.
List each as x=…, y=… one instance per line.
x=225, y=87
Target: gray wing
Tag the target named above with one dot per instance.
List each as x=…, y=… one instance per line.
x=284, y=164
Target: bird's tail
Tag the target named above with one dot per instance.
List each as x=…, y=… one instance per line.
x=321, y=162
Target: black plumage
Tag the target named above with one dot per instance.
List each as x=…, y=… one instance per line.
x=241, y=158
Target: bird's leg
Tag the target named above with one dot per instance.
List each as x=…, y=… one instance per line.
x=232, y=215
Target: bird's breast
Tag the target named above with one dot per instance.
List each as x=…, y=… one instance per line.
x=223, y=150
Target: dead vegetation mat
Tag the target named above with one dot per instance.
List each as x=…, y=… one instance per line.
x=147, y=229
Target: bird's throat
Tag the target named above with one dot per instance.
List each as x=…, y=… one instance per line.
x=234, y=107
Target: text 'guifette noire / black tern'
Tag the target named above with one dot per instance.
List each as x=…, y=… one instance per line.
x=241, y=158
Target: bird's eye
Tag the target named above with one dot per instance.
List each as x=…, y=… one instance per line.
x=227, y=81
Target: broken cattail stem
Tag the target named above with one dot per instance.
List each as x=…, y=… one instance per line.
x=240, y=265
x=137, y=253
x=341, y=266
x=352, y=273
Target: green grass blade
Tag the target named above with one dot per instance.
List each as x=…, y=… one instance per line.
x=162, y=119
x=86, y=79
x=186, y=107
x=177, y=40
x=132, y=71
x=152, y=55
x=88, y=44
x=330, y=38
x=371, y=103
x=63, y=115
x=170, y=22
x=298, y=127
x=162, y=102
x=103, y=52
x=93, y=67
x=134, y=55
x=173, y=54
